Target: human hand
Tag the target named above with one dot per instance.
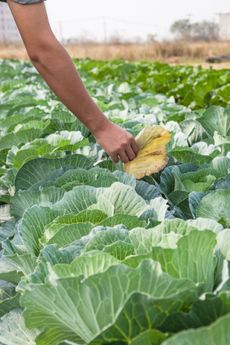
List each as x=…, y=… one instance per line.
x=118, y=143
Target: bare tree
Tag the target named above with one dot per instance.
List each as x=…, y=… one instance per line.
x=182, y=29
x=199, y=31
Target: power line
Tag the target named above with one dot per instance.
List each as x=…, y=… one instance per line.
x=107, y=19
x=130, y=21
x=105, y=23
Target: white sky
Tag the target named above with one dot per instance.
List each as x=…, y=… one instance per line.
x=129, y=18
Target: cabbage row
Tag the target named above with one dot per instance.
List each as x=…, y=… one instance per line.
x=193, y=87
x=88, y=254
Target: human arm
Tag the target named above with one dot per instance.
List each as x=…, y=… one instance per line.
x=56, y=67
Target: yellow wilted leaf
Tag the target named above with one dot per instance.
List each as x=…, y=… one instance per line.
x=151, y=158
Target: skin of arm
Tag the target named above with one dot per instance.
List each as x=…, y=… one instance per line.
x=56, y=67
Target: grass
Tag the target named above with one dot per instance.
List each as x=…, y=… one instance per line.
x=170, y=52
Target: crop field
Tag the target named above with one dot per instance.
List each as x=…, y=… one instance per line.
x=89, y=255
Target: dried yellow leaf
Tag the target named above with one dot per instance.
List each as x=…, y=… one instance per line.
x=151, y=158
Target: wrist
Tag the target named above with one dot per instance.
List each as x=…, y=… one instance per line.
x=100, y=124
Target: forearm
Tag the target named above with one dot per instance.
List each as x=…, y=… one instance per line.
x=58, y=70
x=55, y=66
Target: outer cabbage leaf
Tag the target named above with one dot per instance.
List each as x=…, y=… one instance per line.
x=177, y=261
x=97, y=308
x=38, y=169
x=216, y=333
x=216, y=119
x=120, y=199
x=9, y=299
x=203, y=313
x=151, y=157
x=216, y=205
x=13, y=330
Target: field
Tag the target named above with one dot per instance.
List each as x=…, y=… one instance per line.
x=88, y=254
x=173, y=52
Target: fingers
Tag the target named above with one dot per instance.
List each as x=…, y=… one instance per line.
x=130, y=152
x=123, y=156
x=114, y=157
x=127, y=153
x=125, y=149
x=134, y=146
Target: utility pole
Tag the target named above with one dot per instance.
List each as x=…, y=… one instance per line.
x=105, y=29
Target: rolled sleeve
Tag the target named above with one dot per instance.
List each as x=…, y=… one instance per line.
x=25, y=2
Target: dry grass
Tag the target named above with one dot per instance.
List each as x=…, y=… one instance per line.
x=171, y=52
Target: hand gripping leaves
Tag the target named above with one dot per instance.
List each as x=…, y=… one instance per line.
x=151, y=158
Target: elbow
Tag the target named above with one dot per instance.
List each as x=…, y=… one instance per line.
x=35, y=56
x=40, y=57
x=42, y=53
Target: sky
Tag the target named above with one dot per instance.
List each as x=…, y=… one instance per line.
x=100, y=19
